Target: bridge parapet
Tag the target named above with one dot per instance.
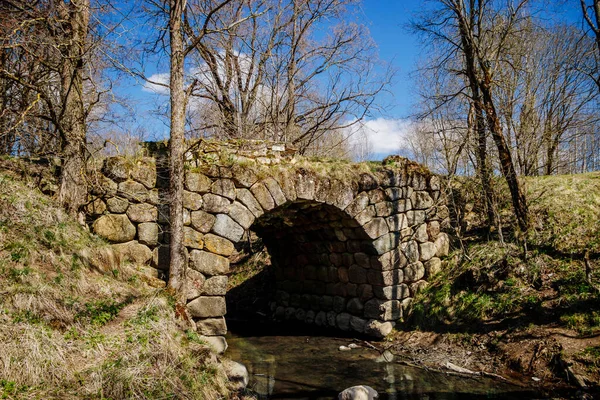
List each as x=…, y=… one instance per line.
x=351, y=244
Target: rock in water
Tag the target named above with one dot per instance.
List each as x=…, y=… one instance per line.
x=361, y=392
x=237, y=374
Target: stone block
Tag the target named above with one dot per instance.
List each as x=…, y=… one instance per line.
x=326, y=303
x=300, y=315
x=414, y=272
x=442, y=245
x=275, y=190
x=365, y=292
x=207, y=306
x=132, y=190
x=357, y=274
x=192, y=238
x=339, y=304
x=245, y=197
x=213, y=203
x=305, y=186
x=202, y=221
x=243, y=176
x=360, y=202
x=415, y=217
x=378, y=329
x=95, y=207
x=117, y=205
x=263, y=196
x=397, y=222
x=310, y=317
x=421, y=234
x=241, y=215
x=287, y=183
x=218, y=344
x=290, y=313
x=192, y=201
x=226, y=227
x=194, y=283
x=134, y=252
x=345, y=196
x=383, y=310
x=116, y=228
x=355, y=306
x=144, y=172
x=367, y=181
x=432, y=267
x=427, y=251
x=197, y=182
x=142, y=212
x=402, y=205
x=386, y=243
x=410, y=250
x=331, y=316
x=342, y=321
x=215, y=286
x=376, y=227
x=391, y=260
x=148, y=233
x=208, y=263
x=103, y=186
x=321, y=318
x=394, y=193
x=422, y=200
x=211, y=326
x=384, y=209
x=418, y=286
x=218, y=245
x=357, y=324
x=116, y=168
x=383, y=278
x=224, y=188
x=393, y=292
x=433, y=230
x=365, y=215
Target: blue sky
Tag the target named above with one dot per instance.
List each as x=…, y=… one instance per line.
x=387, y=21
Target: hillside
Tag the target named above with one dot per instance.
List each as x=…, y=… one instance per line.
x=537, y=313
x=69, y=331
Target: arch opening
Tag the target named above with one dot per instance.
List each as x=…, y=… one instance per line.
x=324, y=268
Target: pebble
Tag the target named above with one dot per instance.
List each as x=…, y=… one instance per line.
x=345, y=348
x=353, y=346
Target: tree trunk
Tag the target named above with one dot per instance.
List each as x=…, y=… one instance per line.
x=73, y=183
x=177, y=267
x=506, y=162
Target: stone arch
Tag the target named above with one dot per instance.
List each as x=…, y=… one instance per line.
x=351, y=246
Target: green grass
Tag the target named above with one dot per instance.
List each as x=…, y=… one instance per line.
x=68, y=332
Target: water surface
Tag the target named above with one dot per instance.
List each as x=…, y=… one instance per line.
x=301, y=365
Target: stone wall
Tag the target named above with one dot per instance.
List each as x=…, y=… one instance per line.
x=350, y=243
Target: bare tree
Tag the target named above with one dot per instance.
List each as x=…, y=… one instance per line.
x=591, y=14
x=45, y=55
x=270, y=76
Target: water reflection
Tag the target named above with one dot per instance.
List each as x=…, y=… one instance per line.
x=312, y=367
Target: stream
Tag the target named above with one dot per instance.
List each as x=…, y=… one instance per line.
x=297, y=363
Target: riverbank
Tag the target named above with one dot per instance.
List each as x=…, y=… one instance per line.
x=78, y=321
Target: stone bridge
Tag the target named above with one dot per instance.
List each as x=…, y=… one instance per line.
x=351, y=244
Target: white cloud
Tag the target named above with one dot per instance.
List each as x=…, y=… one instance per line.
x=385, y=136
x=155, y=83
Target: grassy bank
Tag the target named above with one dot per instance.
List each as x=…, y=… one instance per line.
x=70, y=332
x=539, y=310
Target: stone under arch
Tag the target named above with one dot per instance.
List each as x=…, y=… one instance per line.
x=350, y=243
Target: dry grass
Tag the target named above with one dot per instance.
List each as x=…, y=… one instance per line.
x=566, y=211
x=68, y=332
